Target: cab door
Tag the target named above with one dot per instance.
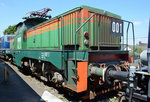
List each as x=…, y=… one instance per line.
x=18, y=37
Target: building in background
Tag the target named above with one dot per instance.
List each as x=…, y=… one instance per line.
x=143, y=46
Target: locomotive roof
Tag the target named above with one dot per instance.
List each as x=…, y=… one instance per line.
x=81, y=7
x=91, y=9
x=88, y=8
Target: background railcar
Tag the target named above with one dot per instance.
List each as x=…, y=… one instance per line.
x=74, y=49
x=5, y=44
x=5, y=41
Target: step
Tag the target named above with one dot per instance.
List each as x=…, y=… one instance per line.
x=72, y=59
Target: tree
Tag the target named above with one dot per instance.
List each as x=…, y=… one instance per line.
x=10, y=30
x=138, y=49
x=137, y=52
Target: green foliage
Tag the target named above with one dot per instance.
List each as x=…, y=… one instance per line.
x=137, y=52
x=10, y=30
x=114, y=99
x=138, y=49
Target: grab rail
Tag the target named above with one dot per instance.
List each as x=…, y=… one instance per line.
x=76, y=42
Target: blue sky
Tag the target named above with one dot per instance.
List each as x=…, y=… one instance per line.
x=137, y=11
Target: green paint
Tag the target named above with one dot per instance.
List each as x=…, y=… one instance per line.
x=51, y=56
x=72, y=83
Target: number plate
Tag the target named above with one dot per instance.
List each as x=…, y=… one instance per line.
x=116, y=27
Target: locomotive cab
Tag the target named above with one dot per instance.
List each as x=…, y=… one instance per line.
x=22, y=27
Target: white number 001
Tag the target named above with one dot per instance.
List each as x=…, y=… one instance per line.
x=116, y=27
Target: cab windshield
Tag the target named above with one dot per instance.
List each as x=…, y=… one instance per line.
x=19, y=28
x=29, y=23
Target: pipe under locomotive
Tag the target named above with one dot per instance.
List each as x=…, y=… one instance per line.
x=82, y=49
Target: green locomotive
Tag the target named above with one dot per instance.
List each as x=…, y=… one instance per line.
x=73, y=49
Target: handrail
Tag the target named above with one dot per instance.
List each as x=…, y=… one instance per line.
x=127, y=36
x=63, y=56
x=133, y=41
x=76, y=42
x=133, y=37
x=99, y=31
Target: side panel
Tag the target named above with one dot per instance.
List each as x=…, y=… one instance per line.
x=54, y=57
x=45, y=39
x=30, y=42
x=51, y=34
x=71, y=23
x=38, y=41
x=82, y=71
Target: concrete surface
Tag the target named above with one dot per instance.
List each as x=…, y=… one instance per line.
x=48, y=97
x=15, y=89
